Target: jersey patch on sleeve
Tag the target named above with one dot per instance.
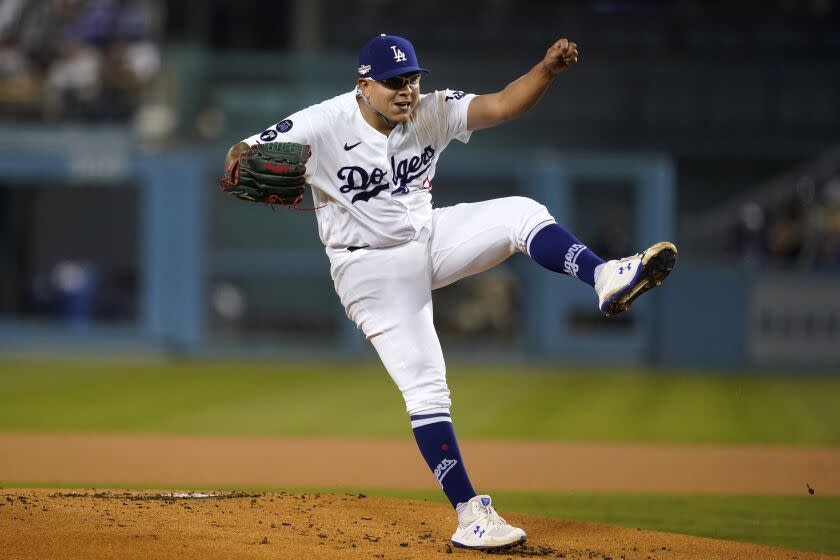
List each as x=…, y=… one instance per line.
x=268, y=135
x=455, y=95
x=284, y=126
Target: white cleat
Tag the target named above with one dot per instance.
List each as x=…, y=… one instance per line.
x=480, y=527
x=619, y=283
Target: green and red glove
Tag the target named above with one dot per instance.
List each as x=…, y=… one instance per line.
x=272, y=173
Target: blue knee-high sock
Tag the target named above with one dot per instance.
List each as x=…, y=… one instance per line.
x=556, y=249
x=439, y=448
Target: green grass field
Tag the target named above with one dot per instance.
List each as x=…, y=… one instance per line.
x=490, y=403
x=360, y=400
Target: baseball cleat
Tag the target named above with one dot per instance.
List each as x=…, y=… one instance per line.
x=619, y=282
x=481, y=528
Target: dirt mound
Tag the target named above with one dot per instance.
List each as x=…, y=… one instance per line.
x=91, y=524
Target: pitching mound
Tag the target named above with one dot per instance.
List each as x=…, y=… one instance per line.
x=94, y=524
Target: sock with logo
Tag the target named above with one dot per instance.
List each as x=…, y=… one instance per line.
x=552, y=246
x=436, y=440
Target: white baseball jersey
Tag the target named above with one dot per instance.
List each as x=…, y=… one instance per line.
x=374, y=189
x=375, y=193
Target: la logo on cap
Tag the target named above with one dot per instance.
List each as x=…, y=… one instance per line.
x=399, y=56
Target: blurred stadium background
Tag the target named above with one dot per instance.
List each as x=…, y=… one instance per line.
x=715, y=128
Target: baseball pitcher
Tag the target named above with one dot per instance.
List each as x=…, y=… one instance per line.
x=369, y=156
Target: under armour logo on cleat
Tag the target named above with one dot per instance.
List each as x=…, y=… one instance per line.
x=478, y=531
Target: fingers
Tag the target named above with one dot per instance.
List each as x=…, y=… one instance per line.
x=564, y=45
x=571, y=54
x=565, y=51
x=560, y=56
x=568, y=51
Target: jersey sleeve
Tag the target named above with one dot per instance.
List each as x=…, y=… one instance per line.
x=296, y=128
x=452, y=106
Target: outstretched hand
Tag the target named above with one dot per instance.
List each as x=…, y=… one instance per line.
x=560, y=56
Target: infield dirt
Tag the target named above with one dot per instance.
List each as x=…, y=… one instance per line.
x=39, y=524
x=91, y=524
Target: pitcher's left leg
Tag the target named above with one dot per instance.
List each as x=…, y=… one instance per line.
x=471, y=238
x=474, y=237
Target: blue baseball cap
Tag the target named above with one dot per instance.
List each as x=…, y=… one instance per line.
x=387, y=56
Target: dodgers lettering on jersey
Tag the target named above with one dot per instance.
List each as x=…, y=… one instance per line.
x=371, y=189
x=357, y=179
x=407, y=170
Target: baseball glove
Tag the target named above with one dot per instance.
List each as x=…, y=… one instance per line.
x=272, y=173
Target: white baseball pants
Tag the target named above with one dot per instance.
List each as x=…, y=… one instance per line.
x=388, y=292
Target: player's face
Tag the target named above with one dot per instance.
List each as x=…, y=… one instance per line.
x=395, y=97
